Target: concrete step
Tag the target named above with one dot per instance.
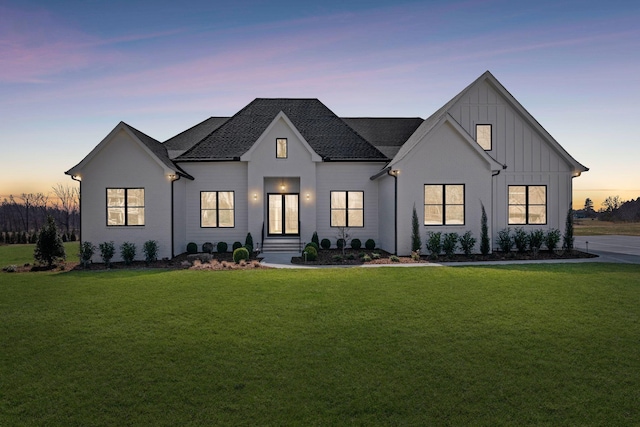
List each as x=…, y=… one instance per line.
x=281, y=245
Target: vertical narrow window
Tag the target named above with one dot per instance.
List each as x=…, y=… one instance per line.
x=347, y=209
x=483, y=136
x=125, y=206
x=217, y=209
x=527, y=204
x=281, y=148
x=444, y=204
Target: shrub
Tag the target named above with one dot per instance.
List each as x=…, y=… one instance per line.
x=505, y=241
x=415, y=255
x=192, y=248
x=240, y=253
x=206, y=248
x=10, y=268
x=150, y=249
x=370, y=244
x=361, y=254
x=375, y=255
x=87, y=249
x=236, y=245
x=366, y=258
x=467, y=243
x=450, y=243
x=416, y=241
x=394, y=258
x=485, y=242
x=72, y=237
x=315, y=239
x=49, y=247
x=350, y=257
x=314, y=245
x=107, y=250
x=311, y=252
x=434, y=243
x=340, y=243
x=567, y=237
x=337, y=258
x=325, y=243
x=248, y=243
x=520, y=239
x=128, y=252
x=222, y=247
x=551, y=239
x=356, y=244
x=536, y=237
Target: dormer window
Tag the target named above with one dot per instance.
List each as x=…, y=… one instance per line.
x=281, y=148
x=483, y=136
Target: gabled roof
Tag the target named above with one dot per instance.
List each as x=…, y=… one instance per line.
x=153, y=147
x=187, y=139
x=326, y=133
x=387, y=134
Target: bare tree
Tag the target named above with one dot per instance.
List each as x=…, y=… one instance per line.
x=612, y=203
x=67, y=202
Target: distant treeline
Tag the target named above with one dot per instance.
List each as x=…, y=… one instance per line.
x=22, y=216
x=613, y=209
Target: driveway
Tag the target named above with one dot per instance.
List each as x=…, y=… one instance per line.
x=625, y=249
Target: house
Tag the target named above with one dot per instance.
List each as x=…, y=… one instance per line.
x=281, y=169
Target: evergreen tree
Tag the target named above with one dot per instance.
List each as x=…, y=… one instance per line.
x=485, y=243
x=416, y=241
x=49, y=247
x=567, y=238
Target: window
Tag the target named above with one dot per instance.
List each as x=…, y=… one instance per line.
x=217, y=209
x=527, y=204
x=281, y=148
x=347, y=209
x=483, y=136
x=125, y=206
x=444, y=204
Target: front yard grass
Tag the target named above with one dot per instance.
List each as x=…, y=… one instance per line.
x=589, y=227
x=504, y=345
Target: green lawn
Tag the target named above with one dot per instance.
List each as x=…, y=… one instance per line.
x=589, y=227
x=21, y=254
x=518, y=345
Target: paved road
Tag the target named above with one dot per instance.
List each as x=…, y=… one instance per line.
x=625, y=249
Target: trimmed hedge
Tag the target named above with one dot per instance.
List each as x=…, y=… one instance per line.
x=239, y=254
x=325, y=243
x=370, y=244
x=192, y=248
x=356, y=244
x=222, y=247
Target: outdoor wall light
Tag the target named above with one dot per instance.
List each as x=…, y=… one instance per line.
x=255, y=196
x=308, y=196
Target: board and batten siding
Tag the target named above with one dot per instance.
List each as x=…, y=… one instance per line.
x=123, y=163
x=347, y=176
x=529, y=158
x=215, y=176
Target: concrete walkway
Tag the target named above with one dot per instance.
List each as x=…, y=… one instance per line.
x=623, y=249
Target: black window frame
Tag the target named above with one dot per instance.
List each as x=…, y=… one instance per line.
x=126, y=206
x=346, y=209
x=527, y=204
x=286, y=148
x=217, y=209
x=444, y=206
x=490, y=135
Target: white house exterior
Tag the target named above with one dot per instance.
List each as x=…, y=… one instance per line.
x=281, y=169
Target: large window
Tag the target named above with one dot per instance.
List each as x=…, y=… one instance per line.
x=125, y=206
x=527, y=204
x=347, y=209
x=444, y=204
x=217, y=209
x=483, y=136
x=281, y=148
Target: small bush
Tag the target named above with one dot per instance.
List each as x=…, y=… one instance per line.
x=536, y=237
x=128, y=252
x=394, y=258
x=222, y=247
x=434, y=243
x=87, y=249
x=240, y=253
x=505, y=241
x=340, y=243
x=72, y=237
x=370, y=244
x=351, y=257
x=450, y=243
x=236, y=245
x=311, y=253
x=337, y=258
x=552, y=238
x=49, y=247
x=366, y=258
x=192, y=248
x=520, y=239
x=248, y=242
x=10, y=268
x=107, y=251
x=314, y=244
x=207, y=248
x=315, y=239
x=325, y=243
x=415, y=255
x=467, y=243
x=150, y=249
x=375, y=255
x=356, y=244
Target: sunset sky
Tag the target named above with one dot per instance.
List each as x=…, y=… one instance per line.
x=71, y=70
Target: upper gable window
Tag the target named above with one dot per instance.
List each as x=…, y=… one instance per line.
x=281, y=148
x=483, y=136
x=125, y=206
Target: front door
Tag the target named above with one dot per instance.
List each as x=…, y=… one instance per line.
x=283, y=214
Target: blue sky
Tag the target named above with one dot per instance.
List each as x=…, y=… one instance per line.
x=71, y=70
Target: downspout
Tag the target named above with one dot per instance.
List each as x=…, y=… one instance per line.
x=73, y=177
x=394, y=174
x=492, y=206
x=172, y=218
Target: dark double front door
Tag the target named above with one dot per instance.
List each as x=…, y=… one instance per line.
x=283, y=216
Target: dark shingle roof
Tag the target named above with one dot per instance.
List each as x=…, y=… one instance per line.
x=386, y=134
x=327, y=134
x=187, y=139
